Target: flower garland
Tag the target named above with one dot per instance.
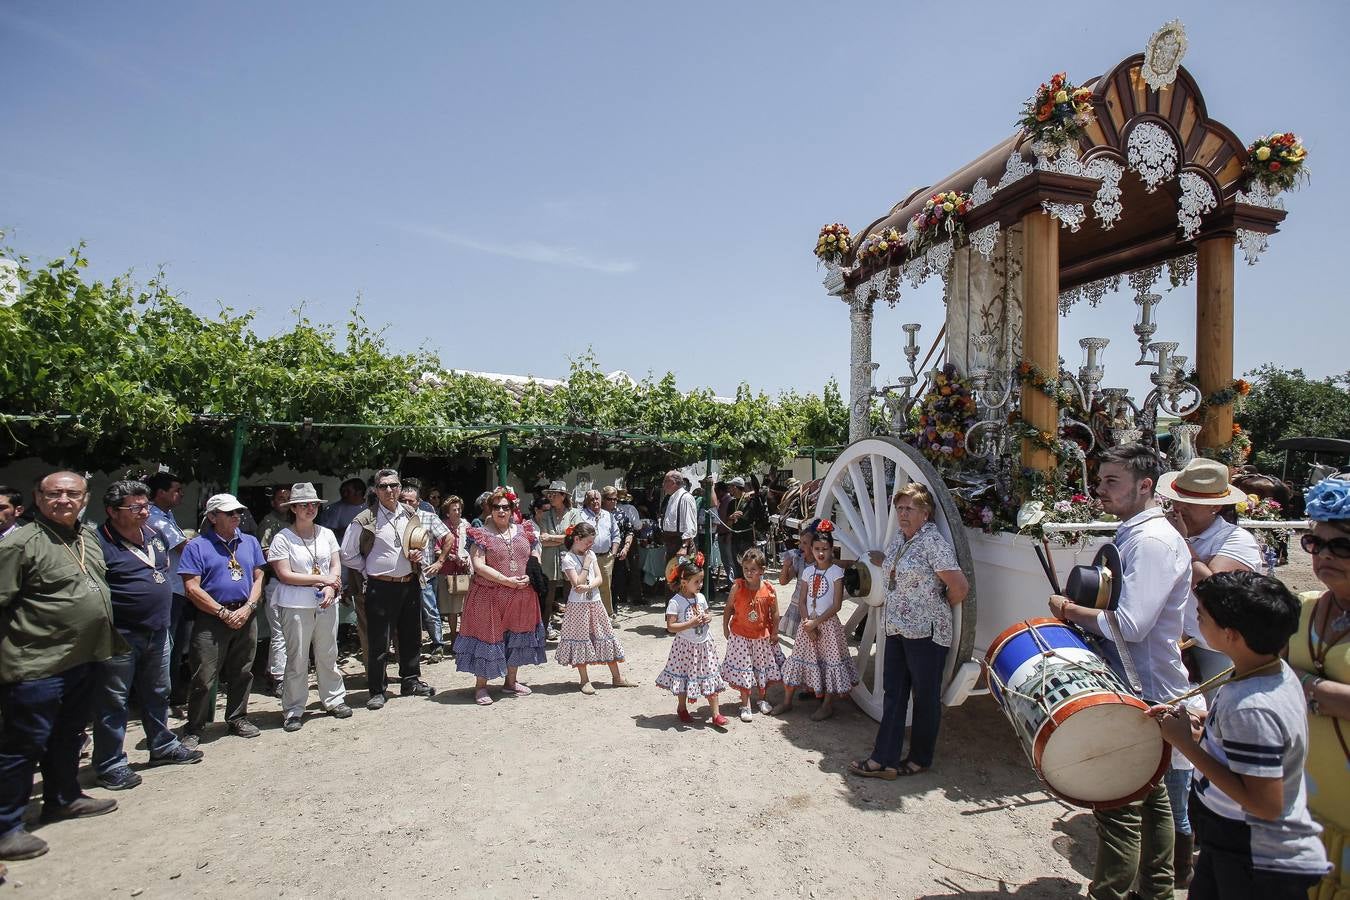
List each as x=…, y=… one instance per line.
x=1053, y=504
x=945, y=415
x=1031, y=374
x=1276, y=160
x=1220, y=399
x=1058, y=112
x=833, y=243
x=943, y=215
x=1263, y=509
x=879, y=244
x=1234, y=453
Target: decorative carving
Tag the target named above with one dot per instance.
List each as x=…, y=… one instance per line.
x=1162, y=55
x=1253, y=244
x=1197, y=198
x=1261, y=196
x=1182, y=269
x=981, y=192
x=982, y=239
x=939, y=257
x=916, y=270
x=1065, y=162
x=834, y=282
x=1016, y=169
x=1107, y=206
x=1152, y=153
x=1143, y=279
x=1068, y=298
x=1070, y=215
x=1094, y=291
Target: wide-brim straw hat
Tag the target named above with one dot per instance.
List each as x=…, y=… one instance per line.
x=1203, y=482
x=303, y=492
x=556, y=487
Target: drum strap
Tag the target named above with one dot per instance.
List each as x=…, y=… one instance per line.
x=1113, y=626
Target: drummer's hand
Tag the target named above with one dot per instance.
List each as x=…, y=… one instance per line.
x=1174, y=722
x=1057, y=604
x=876, y=557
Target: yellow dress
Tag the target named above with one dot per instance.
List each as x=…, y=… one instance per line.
x=1328, y=770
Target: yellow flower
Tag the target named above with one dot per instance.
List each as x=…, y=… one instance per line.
x=1241, y=507
x=1062, y=97
x=883, y=246
x=947, y=207
x=1263, y=153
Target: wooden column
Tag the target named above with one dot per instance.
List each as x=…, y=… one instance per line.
x=1040, y=328
x=1214, y=332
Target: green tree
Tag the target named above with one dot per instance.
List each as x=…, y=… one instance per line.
x=1285, y=403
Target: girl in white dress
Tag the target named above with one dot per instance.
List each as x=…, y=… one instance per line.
x=587, y=636
x=693, y=668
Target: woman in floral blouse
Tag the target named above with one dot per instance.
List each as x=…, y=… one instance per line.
x=923, y=582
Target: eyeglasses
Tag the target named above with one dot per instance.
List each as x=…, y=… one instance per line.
x=1313, y=545
x=232, y=514
x=308, y=505
x=57, y=495
x=140, y=509
x=389, y=486
x=501, y=506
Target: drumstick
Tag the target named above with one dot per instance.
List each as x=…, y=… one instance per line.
x=1049, y=570
x=1186, y=644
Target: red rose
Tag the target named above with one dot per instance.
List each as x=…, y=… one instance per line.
x=1274, y=167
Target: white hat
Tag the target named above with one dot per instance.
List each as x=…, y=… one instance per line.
x=1203, y=482
x=556, y=487
x=223, y=503
x=738, y=481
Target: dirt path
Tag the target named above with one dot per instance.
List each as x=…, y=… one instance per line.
x=559, y=794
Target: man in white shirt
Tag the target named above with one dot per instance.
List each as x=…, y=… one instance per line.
x=374, y=545
x=1138, y=838
x=411, y=497
x=679, y=517
x=11, y=507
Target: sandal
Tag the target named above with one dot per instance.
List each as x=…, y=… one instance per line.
x=482, y=697
x=520, y=690
x=909, y=767
x=718, y=721
x=624, y=682
x=863, y=768
x=588, y=688
x=684, y=714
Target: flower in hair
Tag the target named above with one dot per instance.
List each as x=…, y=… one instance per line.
x=825, y=526
x=510, y=495
x=568, y=530
x=1328, y=500
x=698, y=560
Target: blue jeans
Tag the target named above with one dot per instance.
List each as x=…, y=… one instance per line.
x=913, y=667
x=43, y=727
x=1178, y=783
x=431, y=615
x=145, y=670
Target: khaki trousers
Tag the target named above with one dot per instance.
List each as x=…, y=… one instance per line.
x=606, y=563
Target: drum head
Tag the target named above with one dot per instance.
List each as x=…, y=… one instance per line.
x=1104, y=752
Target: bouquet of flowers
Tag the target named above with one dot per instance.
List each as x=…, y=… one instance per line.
x=1263, y=509
x=1049, y=505
x=943, y=215
x=879, y=244
x=833, y=243
x=1276, y=160
x=1058, y=112
x=947, y=412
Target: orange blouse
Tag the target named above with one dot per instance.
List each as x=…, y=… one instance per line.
x=764, y=605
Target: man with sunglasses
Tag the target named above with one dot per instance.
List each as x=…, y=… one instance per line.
x=55, y=627
x=376, y=545
x=142, y=600
x=222, y=571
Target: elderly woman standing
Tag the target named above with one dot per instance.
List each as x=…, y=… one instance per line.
x=1320, y=652
x=452, y=582
x=923, y=582
x=501, y=628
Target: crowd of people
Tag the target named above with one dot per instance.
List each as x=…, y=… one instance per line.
x=92, y=616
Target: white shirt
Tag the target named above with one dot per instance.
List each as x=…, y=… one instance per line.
x=302, y=555
x=1221, y=538
x=386, y=556
x=682, y=608
x=1153, y=600
x=819, y=598
x=573, y=563
x=681, y=514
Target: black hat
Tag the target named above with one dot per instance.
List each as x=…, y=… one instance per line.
x=1097, y=586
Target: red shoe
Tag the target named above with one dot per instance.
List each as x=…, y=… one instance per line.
x=719, y=720
x=684, y=715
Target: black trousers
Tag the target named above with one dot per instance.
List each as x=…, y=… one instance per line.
x=219, y=652
x=395, y=605
x=1224, y=870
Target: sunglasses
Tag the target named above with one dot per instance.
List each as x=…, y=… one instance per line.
x=391, y=486
x=1313, y=545
x=501, y=506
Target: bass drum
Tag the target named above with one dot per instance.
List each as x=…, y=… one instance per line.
x=856, y=495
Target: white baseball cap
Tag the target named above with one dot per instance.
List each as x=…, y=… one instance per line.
x=223, y=503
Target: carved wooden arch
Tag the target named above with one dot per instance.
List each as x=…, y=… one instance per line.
x=1122, y=100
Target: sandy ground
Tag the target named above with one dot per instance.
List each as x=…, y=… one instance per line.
x=559, y=794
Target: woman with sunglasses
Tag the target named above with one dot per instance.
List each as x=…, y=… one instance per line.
x=501, y=629
x=1320, y=652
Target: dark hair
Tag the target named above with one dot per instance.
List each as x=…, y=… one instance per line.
x=414, y=483
x=1138, y=460
x=358, y=483
x=373, y=496
x=687, y=567
x=15, y=497
x=161, y=481
x=826, y=536
x=540, y=503
x=577, y=532
x=119, y=491
x=1258, y=607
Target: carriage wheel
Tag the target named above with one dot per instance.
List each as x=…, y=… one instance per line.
x=856, y=495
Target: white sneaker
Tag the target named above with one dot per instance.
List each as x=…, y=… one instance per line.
x=765, y=707
x=746, y=714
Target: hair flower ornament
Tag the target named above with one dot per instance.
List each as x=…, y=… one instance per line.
x=825, y=526
x=1328, y=500
x=698, y=560
x=510, y=495
x=568, y=531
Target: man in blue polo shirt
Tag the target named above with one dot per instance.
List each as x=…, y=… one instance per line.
x=222, y=572
x=166, y=492
x=138, y=579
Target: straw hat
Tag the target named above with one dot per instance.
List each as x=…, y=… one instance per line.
x=1203, y=482
x=303, y=492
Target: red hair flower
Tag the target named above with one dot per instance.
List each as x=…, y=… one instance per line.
x=510, y=495
x=825, y=526
x=568, y=531
x=698, y=560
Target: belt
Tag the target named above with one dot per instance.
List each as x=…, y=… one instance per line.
x=395, y=579
x=606, y=553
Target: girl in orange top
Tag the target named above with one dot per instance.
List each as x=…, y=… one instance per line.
x=750, y=625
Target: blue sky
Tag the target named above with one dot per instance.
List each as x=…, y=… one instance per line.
x=510, y=184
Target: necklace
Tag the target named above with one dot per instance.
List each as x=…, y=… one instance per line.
x=312, y=550
x=79, y=560
x=146, y=556
x=754, y=602
x=236, y=570
x=1333, y=631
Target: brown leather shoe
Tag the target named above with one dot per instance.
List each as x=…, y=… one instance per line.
x=83, y=807
x=19, y=844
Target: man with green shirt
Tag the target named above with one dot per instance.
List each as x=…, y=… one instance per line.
x=56, y=623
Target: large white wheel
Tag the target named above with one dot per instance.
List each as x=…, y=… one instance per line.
x=856, y=496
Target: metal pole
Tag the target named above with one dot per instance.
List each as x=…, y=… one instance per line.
x=237, y=458
x=710, y=498
x=813, y=463
x=503, y=454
